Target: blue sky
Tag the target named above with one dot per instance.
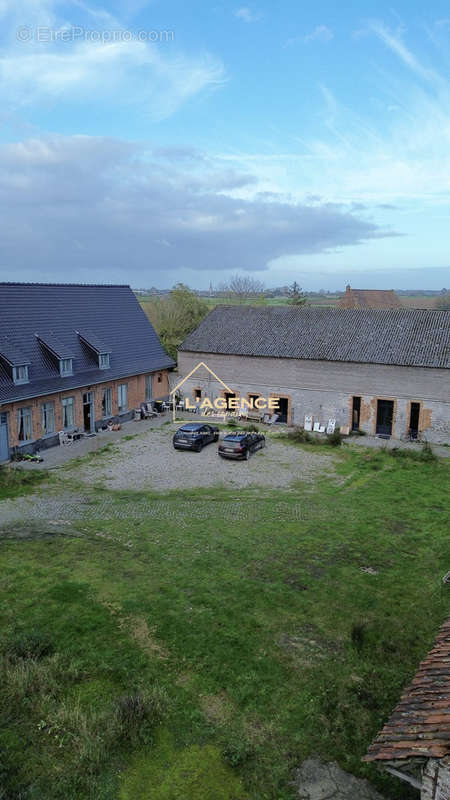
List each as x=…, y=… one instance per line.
x=152, y=142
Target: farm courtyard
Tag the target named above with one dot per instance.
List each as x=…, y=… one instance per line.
x=175, y=627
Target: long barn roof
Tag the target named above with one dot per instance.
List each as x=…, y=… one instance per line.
x=403, y=337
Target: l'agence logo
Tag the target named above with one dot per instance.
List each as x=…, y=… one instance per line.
x=228, y=404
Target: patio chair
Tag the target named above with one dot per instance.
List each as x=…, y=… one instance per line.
x=147, y=411
x=331, y=426
x=272, y=419
x=65, y=438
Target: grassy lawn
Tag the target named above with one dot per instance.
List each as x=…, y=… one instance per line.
x=15, y=482
x=203, y=652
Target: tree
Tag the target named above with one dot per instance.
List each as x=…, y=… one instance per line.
x=296, y=296
x=443, y=302
x=242, y=287
x=175, y=316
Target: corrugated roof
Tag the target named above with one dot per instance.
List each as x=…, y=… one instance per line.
x=420, y=724
x=63, y=309
x=404, y=337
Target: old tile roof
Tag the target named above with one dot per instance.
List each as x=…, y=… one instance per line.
x=420, y=724
x=369, y=298
x=405, y=337
x=58, y=312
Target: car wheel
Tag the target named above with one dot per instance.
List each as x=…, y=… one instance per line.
x=247, y=455
x=216, y=437
x=199, y=448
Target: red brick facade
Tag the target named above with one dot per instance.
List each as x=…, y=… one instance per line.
x=136, y=390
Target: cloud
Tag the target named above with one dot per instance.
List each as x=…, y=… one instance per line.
x=246, y=15
x=104, y=209
x=102, y=61
x=321, y=33
x=396, y=45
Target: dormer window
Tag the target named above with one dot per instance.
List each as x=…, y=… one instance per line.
x=20, y=374
x=65, y=367
x=103, y=360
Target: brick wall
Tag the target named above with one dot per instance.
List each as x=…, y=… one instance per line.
x=136, y=395
x=325, y=389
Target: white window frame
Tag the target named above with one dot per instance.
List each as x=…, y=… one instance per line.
x=148, y=388
x=68, y=403
x=107, y=408
x=20, y=374
x=104, y=360
x=122, y=398
x=65, y=367
x=25, y=423
x=48, y=412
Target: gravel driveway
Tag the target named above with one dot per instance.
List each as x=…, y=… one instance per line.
x=149, y=461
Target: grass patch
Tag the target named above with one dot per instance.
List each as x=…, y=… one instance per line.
x=15, y=481
x=239, y=633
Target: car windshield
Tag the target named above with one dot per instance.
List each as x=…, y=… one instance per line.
x=234, y=437
x=189, y=428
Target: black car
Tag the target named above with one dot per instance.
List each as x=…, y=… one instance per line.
x=241, y=444
x=194, y=436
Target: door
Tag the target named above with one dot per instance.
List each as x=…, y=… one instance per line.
x=356, y=413
x=414, y=420
x=229, y=396
x=282, y=410
x=385, y=414
x=88, y=411
x=4, y=447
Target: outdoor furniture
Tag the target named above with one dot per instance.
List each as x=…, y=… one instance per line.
x=65, y=438
x=331, y=426
x=272, y=420
x=147, y=411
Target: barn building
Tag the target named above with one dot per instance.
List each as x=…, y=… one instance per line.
x=384, y=372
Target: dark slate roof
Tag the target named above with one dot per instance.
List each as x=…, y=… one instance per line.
x=56, y=312
x=405, y=337
x=56, y=346
x=11, y=353
x=420, y=725
x=94, y=341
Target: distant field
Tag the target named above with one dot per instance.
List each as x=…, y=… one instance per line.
x=326, y=301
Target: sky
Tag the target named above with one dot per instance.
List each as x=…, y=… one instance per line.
x=156, y=141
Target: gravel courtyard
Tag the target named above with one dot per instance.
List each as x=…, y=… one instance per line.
x=149, y=461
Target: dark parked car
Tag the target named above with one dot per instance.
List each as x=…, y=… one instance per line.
x=194, y=436
x=241, y=444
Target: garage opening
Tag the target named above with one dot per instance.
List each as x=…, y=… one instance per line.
x=385, y=415
x=283, y=409
x=356, y=413
x=230, y=396
x=414, y=420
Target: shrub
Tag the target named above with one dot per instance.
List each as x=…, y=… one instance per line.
x=299, y=435
x=252, y=428
x=334, y=439
x=425, y=455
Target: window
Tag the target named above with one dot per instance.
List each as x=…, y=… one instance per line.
x=122, y=397
x=68, y=412
x=20, y=374
x=197, y=394
x=103, y=360
x=107, y=402
x=24, y=424
x=65, y=366
x=159, y=377
x=148, y=388
x=48, y=418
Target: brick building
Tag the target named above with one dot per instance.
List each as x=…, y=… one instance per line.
x=369, y=298
x=383, y=372
x=414, y=744
x=73, y=356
